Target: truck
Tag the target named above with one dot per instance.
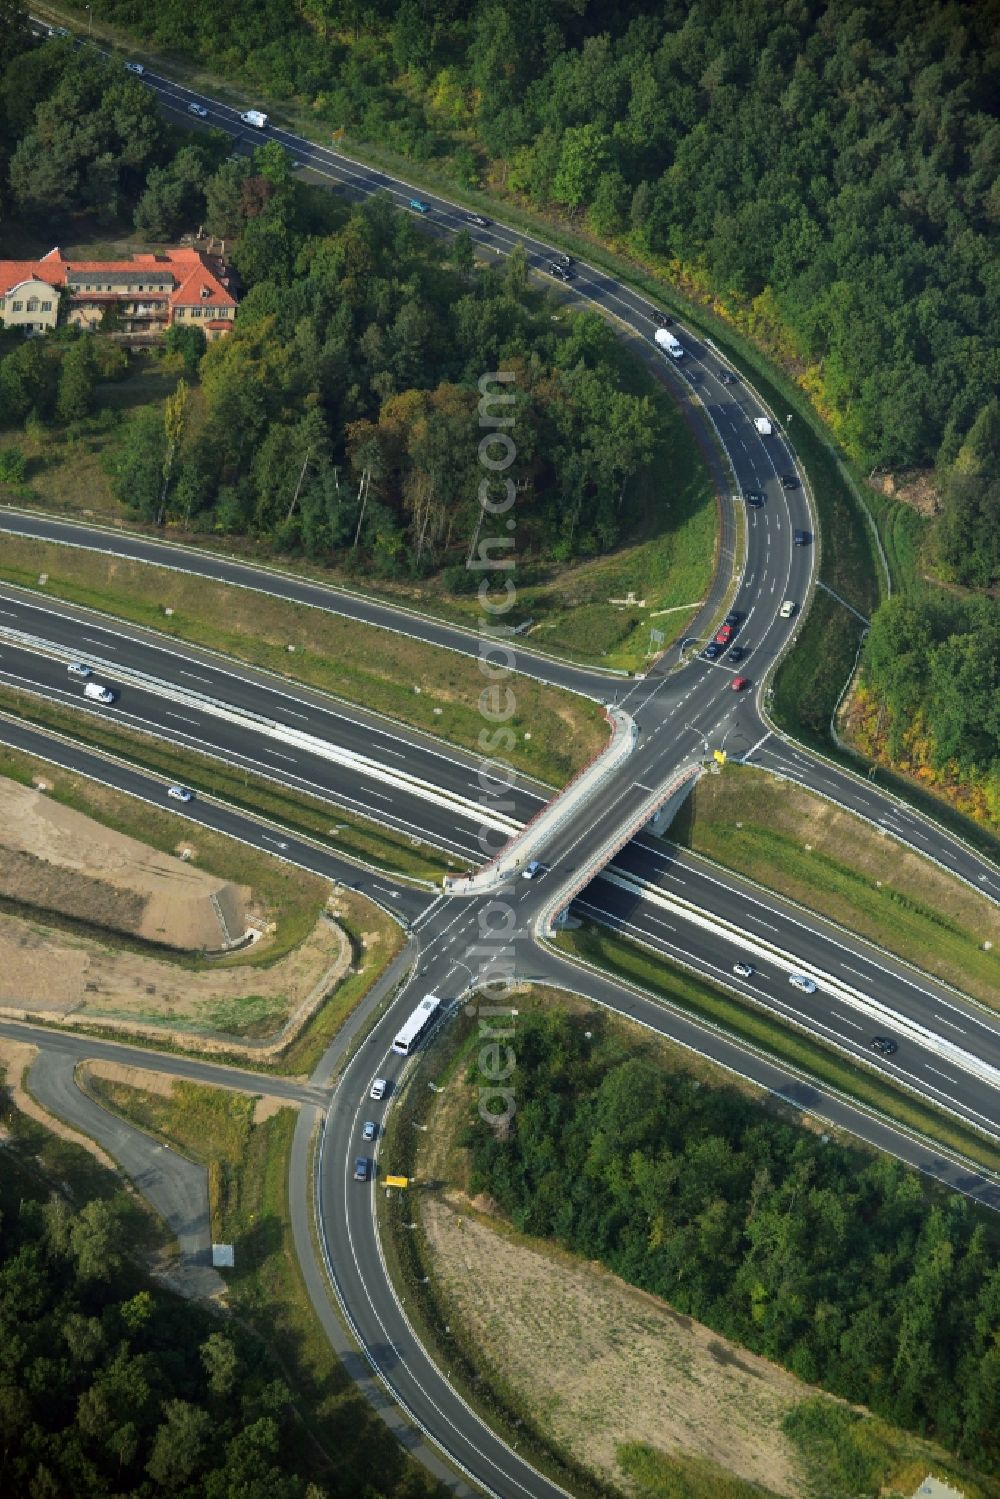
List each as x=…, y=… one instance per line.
x=98, y=693
x=255, y=118
x=763, y=426
x=668, y=343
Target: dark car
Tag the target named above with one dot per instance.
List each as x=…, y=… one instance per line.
x=733, y=618
x=727, y=377
x=802, y=538
x=561, y=272
x=565, y=260
x=736, y=653
x=789, y=481
x=753, y=498
x=478, y=220
x=664, y=321
x=361, y=1169
x=885, y=1045
x=712, y=650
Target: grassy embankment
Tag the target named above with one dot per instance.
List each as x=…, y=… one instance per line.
x=435, y=691
x=801, y=846
x=772, y=1035
x=295, y=811
x=476, y=1287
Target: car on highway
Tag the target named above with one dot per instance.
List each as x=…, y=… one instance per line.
x=743, y=970
x=789, y=481
x=361, y=1169
x=532, y=869
x=724, y=635
x=801, y=538
x=733, y=618
x=135, y=67
x=885, y=1045
x=753, y=498
x=737, y=652
x=77, y=669
x=561, y=272
x=567, y=261
x=180, y=793
x=800, y=981
x=738, y=683
x=419, y=206
x=478, y=219
x=378, y=1088
x=99, y=694
x=727, y=377
x=712, y=650
x=369, y=1129
x=199, y=110
x=787, y=609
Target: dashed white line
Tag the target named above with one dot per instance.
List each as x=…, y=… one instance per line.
x=180, y=718
x=195, y=677
x=944, y=1021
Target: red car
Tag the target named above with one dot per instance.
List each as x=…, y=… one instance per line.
x=738, y=684
x=725, y=635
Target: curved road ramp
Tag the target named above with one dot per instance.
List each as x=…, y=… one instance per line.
x=533, y=837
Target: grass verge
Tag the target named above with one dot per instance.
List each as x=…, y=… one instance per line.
x=799, y=845
x=296, y=811
x=794, y=1048
x=433, y=690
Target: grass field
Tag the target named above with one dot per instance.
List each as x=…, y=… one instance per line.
x=774, y=1037
x=342, y=832
x=437, y=691
x=801, y=846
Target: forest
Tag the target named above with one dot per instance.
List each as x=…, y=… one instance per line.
x=832, y=167
x=846, y=1268
x=110, y=1386
x=341, y=418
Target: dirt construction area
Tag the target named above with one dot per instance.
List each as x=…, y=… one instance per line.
x=58, y=859
x=55, y=859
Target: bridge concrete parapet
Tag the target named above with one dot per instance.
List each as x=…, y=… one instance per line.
x=531, y=840
x=673, y=790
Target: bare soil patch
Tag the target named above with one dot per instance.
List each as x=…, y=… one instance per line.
x=67, y=976
x=601, y=1363
x=56, y=858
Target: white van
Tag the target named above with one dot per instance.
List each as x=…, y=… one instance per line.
x=98, y=693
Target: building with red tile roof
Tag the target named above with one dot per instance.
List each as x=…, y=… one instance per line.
x=146, y=294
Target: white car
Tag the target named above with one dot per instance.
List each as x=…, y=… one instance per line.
x=378, y=1088
x=799, y=981
x=199, y=110
x=743, y=970
x=787, y=609
x=136, y=68
x=77, y=669
x=180, y=793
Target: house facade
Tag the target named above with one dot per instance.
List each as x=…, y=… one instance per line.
x=146, y=294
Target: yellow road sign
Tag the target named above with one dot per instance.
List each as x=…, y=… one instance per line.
x=397, y=1181
x=719, y=755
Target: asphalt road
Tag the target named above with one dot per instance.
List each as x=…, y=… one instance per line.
x=678, y=715
x=175, y=1186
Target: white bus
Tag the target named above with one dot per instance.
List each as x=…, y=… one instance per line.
x=418, y=1025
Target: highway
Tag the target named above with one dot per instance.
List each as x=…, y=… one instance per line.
x=683, y=708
